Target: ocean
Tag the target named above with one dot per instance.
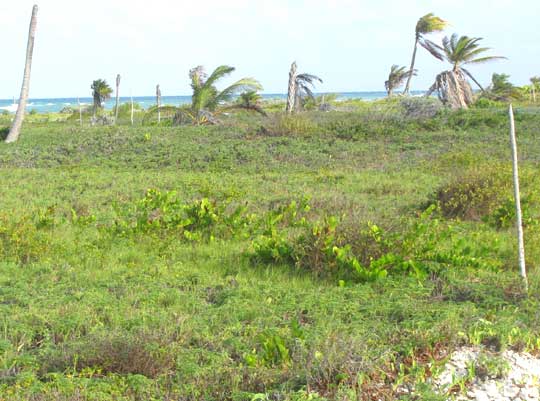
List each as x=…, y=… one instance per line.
x=55, y=105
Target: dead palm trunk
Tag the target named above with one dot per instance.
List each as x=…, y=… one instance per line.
x=15, y=130
x=117, y=98
x=453, y=89
x=158, y=102
x=517, y=196
x=291, y=94
x=413, y=62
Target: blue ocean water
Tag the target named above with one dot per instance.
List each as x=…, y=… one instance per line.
x=55, y=105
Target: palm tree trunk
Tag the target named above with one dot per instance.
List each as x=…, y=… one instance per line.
x=117, y=98
x=413, y=62
x=517, y=196
x=291, y=94
x=158, y=102
x=15, y=130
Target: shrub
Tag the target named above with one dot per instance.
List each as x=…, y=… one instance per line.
x=285, y=124
x=420, y=107
x=474, y=194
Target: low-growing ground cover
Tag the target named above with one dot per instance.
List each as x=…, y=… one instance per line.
x=339, y=255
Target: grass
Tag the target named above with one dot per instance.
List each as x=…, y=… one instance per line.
x=169, y=309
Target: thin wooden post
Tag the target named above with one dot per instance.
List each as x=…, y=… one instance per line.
x=117, y=98
x=517, y=196
x=158, y=103
x=80, y=110
x=132, y=109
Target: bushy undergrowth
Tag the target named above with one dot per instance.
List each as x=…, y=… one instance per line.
x=226, y=290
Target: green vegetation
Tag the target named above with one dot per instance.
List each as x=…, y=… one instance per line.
x=101, y=91
x=324, y=255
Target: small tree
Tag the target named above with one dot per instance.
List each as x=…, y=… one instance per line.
x=396, y=78
x=101, y=91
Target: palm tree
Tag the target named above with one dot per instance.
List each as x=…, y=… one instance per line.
x=452, y=86
x=101, y=91
x=429, y=23
x=396, y=78
x=207, y=100
x=207, y=97
x=15, y=130
x=502, y=89
x=250, y=100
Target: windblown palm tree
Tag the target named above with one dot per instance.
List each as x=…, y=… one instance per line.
x=207, y=100
x=396, y=78
x=101, y=91
x=452, y=86
x=429, y=23
x=15, y=130
x=304, y=85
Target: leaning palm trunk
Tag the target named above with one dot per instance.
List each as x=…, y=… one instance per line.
x=452, y=89
x=291, y=94
x=413, y=62
x=158, y=102
x=117, y=98
x=15, y=130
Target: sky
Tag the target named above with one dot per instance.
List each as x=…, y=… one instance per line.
x=350, y=44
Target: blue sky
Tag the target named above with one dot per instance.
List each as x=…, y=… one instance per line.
x=351, y=44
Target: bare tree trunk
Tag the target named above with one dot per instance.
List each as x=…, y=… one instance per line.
x=517, y=196
x=117, y=98
x=15, y=130
x=533, y=93
x=80, y=110
x=413, y=62
x=158, y=102
x=291, y=94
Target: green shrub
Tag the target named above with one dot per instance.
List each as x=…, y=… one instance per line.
x=287, y=124
x=473, y=194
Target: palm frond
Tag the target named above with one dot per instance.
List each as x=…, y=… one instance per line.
x=434, y=49
x=219, y=73
x=430, y=23
x=486, y=59
x=239, y=86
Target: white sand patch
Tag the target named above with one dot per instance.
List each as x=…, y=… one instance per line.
x=520, y=379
